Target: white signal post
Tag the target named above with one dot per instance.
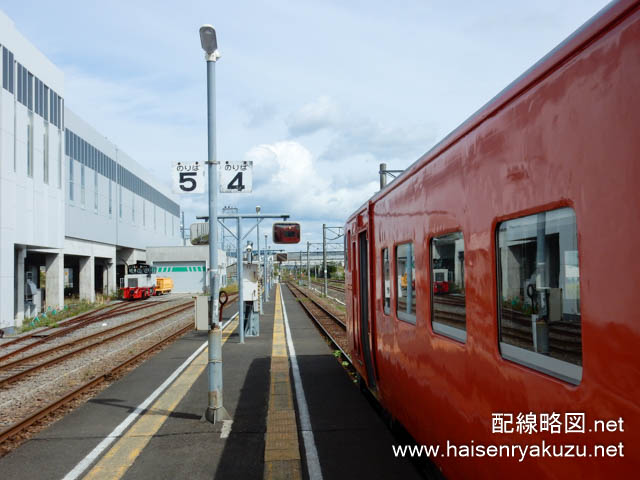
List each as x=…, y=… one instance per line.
x=215, y=410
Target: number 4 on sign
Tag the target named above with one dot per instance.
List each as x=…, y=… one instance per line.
x=236, y=183
x=236, y=177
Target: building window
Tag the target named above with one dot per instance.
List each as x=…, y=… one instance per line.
x=133, y=207
x=110, y=199
x=539, y=293
x=30, y=90
x=20, y=84
x=82, y=186
x=386, y=287
x=448, y=311
x=45, y=105
x=95, y=191
x=29, y=150
x=59, y=160
x=7, y=70
x=406, y=282
x=45, y=158
x=37, y=93
x=71, y=179
x=120, y=202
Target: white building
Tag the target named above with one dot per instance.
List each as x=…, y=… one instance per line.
x=188, y=267
x=71, y=203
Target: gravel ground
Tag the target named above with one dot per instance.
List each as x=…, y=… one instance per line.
x=74, y=335
x=26, y=396
x=337, y=333
x=330, y=305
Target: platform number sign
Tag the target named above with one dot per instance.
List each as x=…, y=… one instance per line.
x=236, y=177
x=189, y=177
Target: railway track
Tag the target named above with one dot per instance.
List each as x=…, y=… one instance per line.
x=21, y=368
x=335, y=286
x=27, y=366
x=333, y=327
x=45, y=335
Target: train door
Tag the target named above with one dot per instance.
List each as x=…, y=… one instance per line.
x=363, y=283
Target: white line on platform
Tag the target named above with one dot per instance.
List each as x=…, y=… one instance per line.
x=313, y=462
x=119, y=430
x=226, y=428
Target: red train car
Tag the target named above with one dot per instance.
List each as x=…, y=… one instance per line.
x=527, y=366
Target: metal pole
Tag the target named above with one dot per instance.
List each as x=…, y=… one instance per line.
x=215, y=411
x=184, y=242
x=239, y=271
x=324, y=258
x=383, y=175
x=308, y=270
x=265, y=273
x=258, y=242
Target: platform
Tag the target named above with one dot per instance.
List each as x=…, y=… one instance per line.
x=321, y=427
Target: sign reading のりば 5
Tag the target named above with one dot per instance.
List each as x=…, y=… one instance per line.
x=189, y=177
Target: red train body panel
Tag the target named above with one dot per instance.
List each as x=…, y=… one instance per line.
x=565, y=137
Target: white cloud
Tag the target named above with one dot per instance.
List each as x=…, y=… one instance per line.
x=314, y=116
x=287, y=174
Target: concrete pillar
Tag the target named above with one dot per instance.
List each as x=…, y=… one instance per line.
x=20, y=255
x=55, y=280
x=87, y=279
x=111, y=276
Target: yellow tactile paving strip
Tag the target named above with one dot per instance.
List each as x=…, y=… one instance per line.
x=281, y=449
x=114, y=464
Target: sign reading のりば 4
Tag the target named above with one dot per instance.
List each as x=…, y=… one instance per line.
x=236, y=177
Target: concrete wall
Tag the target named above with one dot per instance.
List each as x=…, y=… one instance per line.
x=141, y=224
x=36, y=211
x=32, y=210
x=192, y=253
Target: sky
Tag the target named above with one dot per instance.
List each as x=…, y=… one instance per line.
x=316, y=94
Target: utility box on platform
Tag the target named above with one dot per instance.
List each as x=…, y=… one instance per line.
x=202, y=313
x=249, y=282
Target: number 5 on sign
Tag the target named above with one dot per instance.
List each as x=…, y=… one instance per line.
x=189, y=177
x=236, y=177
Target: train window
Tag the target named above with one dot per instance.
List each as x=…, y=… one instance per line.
x=405, y=283
x=346, y=250
x=539, y=293
x=448, y=312
x=386, y=294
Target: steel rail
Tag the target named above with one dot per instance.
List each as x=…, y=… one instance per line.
x=327, y=312
x=318, y=322
x=71, y=343
x=66, y=321
x=26, y=422
x=62, y=331
x=163, y=316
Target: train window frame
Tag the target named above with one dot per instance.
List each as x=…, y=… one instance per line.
x=563, y=370
x=386, y=277
x=438, y=327
x=403, y=315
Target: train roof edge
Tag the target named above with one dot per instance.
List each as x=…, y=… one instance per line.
x=576, y=41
